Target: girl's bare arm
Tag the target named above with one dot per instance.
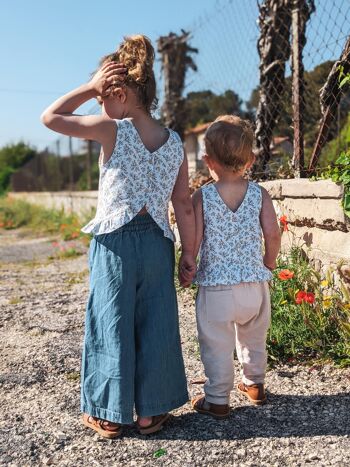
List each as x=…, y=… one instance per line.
x=271, y=230
x=197, y=201
x=60, y=116
x=184, y=215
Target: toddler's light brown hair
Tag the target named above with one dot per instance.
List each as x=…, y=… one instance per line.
x=229, y=140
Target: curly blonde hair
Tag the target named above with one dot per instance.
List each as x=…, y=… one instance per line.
x=229, y=140
x=137, y=54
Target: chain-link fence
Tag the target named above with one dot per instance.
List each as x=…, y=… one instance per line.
x=283, y=61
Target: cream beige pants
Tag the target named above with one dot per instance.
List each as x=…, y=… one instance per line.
x=230, y=316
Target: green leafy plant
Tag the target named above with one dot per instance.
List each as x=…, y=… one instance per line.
x=344, y=78
x=159, y=453
x=340, y=173
x=310, y=313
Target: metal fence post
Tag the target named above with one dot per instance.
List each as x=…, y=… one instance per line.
x=297, y=92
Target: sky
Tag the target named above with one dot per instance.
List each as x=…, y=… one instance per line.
x=48, y=48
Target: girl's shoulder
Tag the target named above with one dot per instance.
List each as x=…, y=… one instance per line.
x=174, y=134
x=202, y=193
x=255, y=188
x=254, y=185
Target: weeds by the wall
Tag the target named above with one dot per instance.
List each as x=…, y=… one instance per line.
x=18, y=213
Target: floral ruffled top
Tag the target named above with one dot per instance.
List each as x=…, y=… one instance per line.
x=231, y=249
x=134, y=177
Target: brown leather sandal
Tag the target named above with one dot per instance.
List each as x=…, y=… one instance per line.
x=254, y=392
x=218, y=411
x=103, y=427
x=155, y=425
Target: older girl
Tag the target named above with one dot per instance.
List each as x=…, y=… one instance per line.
x=132, y=355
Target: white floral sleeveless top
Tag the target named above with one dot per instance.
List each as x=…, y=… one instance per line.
x=231, y=249
x=134, y=177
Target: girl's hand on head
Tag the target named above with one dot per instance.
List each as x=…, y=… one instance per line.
x=106, y=77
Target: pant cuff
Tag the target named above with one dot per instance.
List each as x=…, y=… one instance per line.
x=151, y=410
x=217, y=400
x=253, y=380
x=111, y=416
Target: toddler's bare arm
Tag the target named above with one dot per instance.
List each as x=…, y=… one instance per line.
x=271, y=230
x=198, y=214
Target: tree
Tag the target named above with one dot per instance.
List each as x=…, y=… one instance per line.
x=12, y=157
x=205, y=106
x=314, y=80
x=176, y=60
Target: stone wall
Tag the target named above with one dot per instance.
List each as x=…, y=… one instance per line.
x=316, y=218
x=313, y=209
x=81, y=202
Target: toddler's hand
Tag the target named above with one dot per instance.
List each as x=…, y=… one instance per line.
x=187, y=269
x=269, y=264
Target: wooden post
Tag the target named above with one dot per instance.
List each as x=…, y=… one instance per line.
x=274, y=51
x=58, y=148
x=297, y=92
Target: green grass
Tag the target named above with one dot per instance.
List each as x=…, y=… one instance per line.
x=73, y=376
x=66, y=252
x=16, y=213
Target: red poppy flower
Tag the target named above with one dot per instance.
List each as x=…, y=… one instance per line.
x=284, y=223
x=300, y=297
x=303, y=296
x=310, y=297
x=285, y=274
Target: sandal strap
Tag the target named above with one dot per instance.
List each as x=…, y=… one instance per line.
x=109, y=426
x=155, y=420
x=103, y=424
x=199, y=402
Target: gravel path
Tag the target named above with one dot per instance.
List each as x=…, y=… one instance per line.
x=306, y=421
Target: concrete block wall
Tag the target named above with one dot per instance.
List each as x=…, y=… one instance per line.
x=82, y=203
x=316, y=218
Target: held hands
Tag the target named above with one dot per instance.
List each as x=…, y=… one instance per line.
x=269, y=264
x=187, y=269
x=106, y=77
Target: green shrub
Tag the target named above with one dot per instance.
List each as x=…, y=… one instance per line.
x=12, y=157
x=310, y=313
x=340, y=173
